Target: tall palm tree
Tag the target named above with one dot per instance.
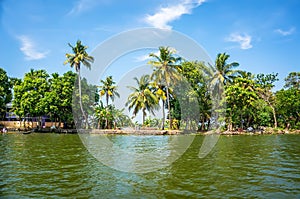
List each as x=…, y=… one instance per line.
x=108, y=89
x=142, y=98
x=75, y=59
x=218, y=76
x=165, y=71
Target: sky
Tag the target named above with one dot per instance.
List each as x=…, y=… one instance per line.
x=263, y=36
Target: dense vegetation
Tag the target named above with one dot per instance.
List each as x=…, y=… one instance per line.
x=184, y=88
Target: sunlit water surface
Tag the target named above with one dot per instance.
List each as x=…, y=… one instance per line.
x=57, y=165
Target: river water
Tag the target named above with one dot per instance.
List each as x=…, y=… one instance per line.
x=59, y=165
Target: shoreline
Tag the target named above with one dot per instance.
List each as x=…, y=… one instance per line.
x=148, y=132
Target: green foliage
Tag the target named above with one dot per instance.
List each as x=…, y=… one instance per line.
x=30, y=94
x=197, y=89
x=265, y=83
x=262, y=114
x=38, y=94
x=88, y=93
x=184, y=88
x=240, y=100
x=75, y=59
x=59, y=97
x=288, y=107
x=165, y=70
x=78, y=56
x=293, y=80
x=142, y=98
x=5, y=92
x=110, y=116
x=152, y=122
x=108, y=89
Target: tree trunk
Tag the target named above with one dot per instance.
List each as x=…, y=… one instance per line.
x=107, y=99
x=98, y=125
x=106, y=123
x=274, y=116
x=60, y=121
x=242, y=122
x=163, y=118
x=230, y=122
x=115, y=125
x=144, y=115
x=186, y=124
x=169, y=108
x=202, y=124
x=80, y=100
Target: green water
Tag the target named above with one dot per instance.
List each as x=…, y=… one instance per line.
x=56, y=166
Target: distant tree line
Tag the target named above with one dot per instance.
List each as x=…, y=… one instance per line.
x=181, y=87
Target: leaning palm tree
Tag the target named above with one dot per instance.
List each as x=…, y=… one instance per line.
x=108, y=89
x=165, y=71
x=75, y=59
x=142, y=98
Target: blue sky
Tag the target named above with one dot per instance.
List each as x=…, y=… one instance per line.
x=262, y=35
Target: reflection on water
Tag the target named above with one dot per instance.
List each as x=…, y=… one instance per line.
x=136, y=154
x=52, y=165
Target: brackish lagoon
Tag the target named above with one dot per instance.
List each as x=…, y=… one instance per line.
x=58, y=165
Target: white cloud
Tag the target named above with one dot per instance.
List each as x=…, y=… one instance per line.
x=244, y=40
x=142, y=58
x=145, y=57
x=285, y=32
x=84, y=5
x=29, y=49
x=170, y=13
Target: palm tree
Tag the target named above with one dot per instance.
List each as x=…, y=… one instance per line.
x=142, y=97
x=224, y=71
x=218, y=76
x=165, y=70
x=108, y=89
x=75, y=59
x=221, y=73
x=119, y=118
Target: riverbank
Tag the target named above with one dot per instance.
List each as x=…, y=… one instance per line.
x=267, y=131
x=150, y=132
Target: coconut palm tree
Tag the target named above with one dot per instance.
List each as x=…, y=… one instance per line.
x=165, y=71
x=75, y=59
x=108, y=89
x=221, y=73
x=142, y=98
x=224, y=71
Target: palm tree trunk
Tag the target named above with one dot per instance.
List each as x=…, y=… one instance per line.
x=163, y=118
x=106, y=99
x=80, y=100
x=274, y=116
x=144, y=115
x=169, y=108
